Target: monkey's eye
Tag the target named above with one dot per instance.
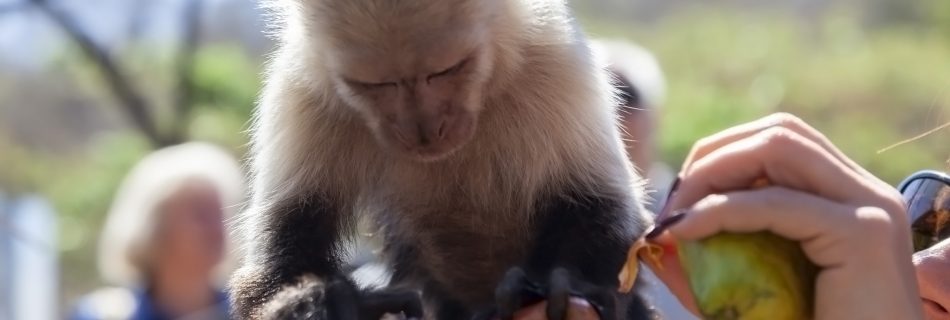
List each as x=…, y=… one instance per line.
x=451, y=70
x=380, y=85
x=372, y=85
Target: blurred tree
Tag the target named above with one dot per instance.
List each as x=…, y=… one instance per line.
x=184, y=99
x=138, y=108
x=937, y=13
x=199, y=92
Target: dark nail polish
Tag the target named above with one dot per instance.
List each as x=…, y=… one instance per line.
x=666, y=223
x=669, y=196
x=675, y=184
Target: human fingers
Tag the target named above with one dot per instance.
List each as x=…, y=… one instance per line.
x=851, y=244
x=707, y=145
x=826, y=229
x=784, y=158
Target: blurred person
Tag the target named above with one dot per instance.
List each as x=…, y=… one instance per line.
x=641, y=88
x=164, y=242
x=927, y=195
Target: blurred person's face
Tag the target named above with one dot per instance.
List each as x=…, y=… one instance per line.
x=638, y=136
x=637, y=122
x=192, y=232
x=933, y=278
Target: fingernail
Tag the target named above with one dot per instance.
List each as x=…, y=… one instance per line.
x=666, y=223
x=675, y=185
x=669, y=196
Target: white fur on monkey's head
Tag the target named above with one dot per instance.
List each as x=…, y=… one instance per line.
x=637, y=65
x=128, y=235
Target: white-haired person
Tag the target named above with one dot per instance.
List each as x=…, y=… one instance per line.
x=164, y=245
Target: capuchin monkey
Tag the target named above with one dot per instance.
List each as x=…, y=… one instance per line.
x=478, y=136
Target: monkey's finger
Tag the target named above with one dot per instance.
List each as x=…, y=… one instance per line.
x=597, y=302
x=510, y=293
x=790, y=122
x=559, y=292
x=485, y=314
x=376, y=304
x=342, y=299
x=579, y=309
x=602, y=300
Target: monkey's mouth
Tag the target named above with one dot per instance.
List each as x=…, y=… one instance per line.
x=433, y=142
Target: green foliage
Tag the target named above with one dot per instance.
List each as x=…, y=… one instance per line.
x=937, y=15
x=226, y=83
x=864, y=89
x=225, y=78
x=81, y=185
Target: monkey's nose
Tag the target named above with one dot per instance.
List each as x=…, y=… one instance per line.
x=423, y=133
x=431, y=131
x=442, y=125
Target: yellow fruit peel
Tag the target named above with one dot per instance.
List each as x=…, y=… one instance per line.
x=651, y=254
x=641, y=249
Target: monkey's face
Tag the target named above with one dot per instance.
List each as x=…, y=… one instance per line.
x=418, y=80
x=427, y=111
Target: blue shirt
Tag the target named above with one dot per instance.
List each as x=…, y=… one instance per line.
x=104, y=306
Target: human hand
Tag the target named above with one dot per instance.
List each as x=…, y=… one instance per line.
x=849, y=223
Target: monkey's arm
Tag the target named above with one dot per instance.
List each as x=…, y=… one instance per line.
x=578, y=251
x=297, y=275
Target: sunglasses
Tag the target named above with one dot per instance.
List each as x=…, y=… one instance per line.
x=927, y=195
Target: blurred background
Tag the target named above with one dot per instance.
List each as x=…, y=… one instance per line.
x=88, y=87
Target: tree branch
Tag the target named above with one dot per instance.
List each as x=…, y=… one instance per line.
x=191, y=31
x=136, y=107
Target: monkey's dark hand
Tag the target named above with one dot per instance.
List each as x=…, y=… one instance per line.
x=518, y=290
x=340, y=299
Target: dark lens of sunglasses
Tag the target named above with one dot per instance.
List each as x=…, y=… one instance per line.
x=928, y=204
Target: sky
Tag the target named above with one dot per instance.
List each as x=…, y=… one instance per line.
x=27, y=37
